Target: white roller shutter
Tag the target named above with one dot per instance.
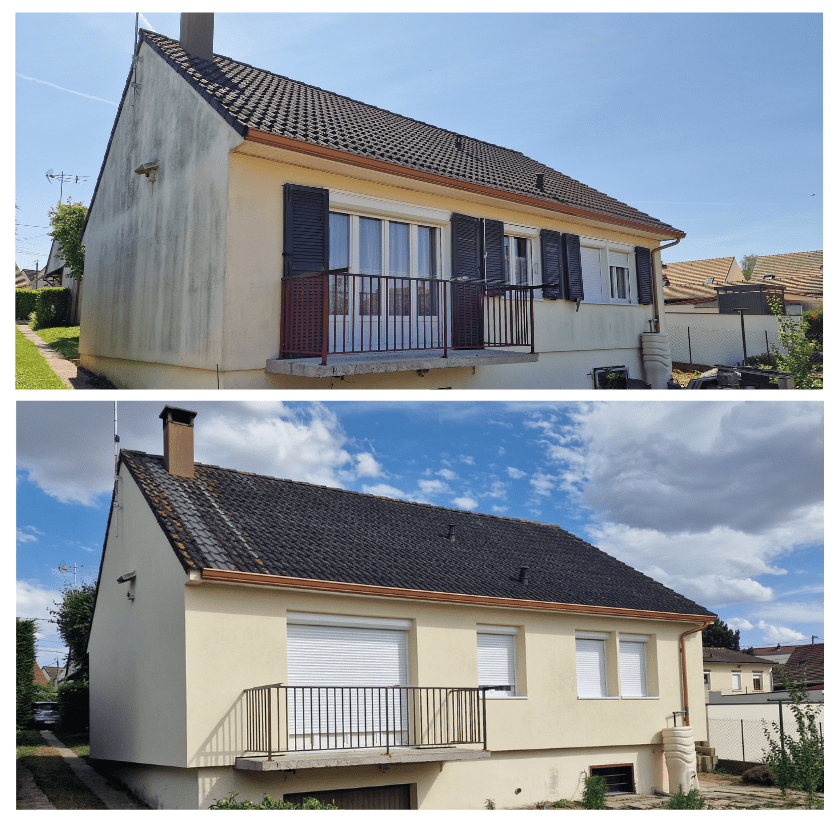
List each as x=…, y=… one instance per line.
x=590, y=262
x=497, y=663
x=633, y=668
x=591, y=661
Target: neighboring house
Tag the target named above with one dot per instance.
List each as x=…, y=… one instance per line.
x=693, y=281
x=56, y=675
x=799, y=273
x=38, y=675
x=778, y=654
x=258, y=635
x=58, y=273
x=805, y=663
x=730, y=672
x=21, y=280
x=227, y=194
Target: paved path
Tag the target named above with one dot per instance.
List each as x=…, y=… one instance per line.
x=71, y=375
x=28, y=794
x=114, y=799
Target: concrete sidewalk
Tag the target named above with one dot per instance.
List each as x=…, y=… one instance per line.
x=113, y=799
x=28, y=795
x=71, y=375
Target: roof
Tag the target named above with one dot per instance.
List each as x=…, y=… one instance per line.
x=38, y=676
x=53, y=672
x=799, y=272
x=230, y=520
x=777, y=650
x=806, y=663
x=251, y=98
x=721, y=655
x=686, y=280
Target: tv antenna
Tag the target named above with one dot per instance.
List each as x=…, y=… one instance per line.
x=76, y=569
x=65, y=177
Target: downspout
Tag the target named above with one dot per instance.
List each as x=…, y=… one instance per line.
x=653, y=269
x=686, y=719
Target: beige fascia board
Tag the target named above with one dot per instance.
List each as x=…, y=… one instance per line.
x=225, y=576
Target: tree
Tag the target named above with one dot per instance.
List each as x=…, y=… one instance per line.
x=68, y=220
x=719, y=635
x=25, y=665
x=73, y=618
x=796, y=352
x=747, y=265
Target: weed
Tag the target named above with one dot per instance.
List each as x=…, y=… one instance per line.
x=686, y=801
x=594, y=792
x=489, y=804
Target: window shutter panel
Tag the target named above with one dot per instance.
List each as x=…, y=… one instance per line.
x=644, y=275
x=493, y=251
x=551, y=249
x=467, y=295
x=591, y=661
x=306, y=230
x=574, y=270
x=633, y=668
x=497, y=662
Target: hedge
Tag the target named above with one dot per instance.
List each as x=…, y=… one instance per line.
x=25, y=302
x=25, y=666
x=73, y=702
x=51, y=306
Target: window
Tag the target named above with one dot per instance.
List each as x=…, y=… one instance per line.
x=619, y=277
x=709, y=281
x=591, y=663
x=609, y=272
x=610, y=377
x=633, y=665
x=517, y=256
x=707, y=679
x=757, y=682
x=497, y=661
x=619, y=778
x=736, y=680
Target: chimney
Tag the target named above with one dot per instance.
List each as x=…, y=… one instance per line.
x=451, y=534
x=523, y=575
x=197, y=34
x=178, y=454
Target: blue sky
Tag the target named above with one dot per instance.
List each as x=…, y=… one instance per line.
x=689, y=493
x=710, y=122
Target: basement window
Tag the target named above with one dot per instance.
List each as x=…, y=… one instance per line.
x=619, y=778
x=610, y=377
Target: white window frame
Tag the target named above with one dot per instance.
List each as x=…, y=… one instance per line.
x=531, y=236
x=757, y=676
x=604, y=247
x=625, y=660
x=736, y=681
x=510, y=646
x=587, y=642
x=707, y=678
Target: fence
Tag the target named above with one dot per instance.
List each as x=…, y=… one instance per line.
x=707, y=346
x=743, y=739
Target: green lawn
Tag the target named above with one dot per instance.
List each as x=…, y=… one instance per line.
x=31, y=369
x=64, y=339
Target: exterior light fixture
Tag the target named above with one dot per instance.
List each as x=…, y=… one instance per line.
x=150, y=170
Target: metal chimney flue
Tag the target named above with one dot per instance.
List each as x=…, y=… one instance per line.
x=178, y=441
x=197, y=34
x=523, y=575
x=451, y=533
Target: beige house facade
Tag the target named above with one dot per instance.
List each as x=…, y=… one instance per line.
x=732, y=672
x=457, y=263
x=390, y=668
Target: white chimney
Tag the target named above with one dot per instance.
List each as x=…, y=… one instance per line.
x=197, y=34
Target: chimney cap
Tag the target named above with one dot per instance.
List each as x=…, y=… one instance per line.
x=177, y=415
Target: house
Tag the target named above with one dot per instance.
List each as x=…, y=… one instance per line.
x=58, y=273
x=55, y=675
x=21, y=279
x=258, y=635
x=805, y=663
x=693, y=282
x=800, y=273
x=731, y=672
x=38, y=675
x=779, y=653
x=252, y=231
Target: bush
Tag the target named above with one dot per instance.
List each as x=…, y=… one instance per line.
x=686, y=801
x=594, y=792
x=25, y=302
x=74, y=706
x=759, y=775
x=268, y=803
x=52, y=307
x=814, y=325
x=25, y=665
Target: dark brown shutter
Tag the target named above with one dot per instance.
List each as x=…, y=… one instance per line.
x=306, y=250
x=493, y=251
x=644, y=276
x=551, y=252
x=572, y=265
x=467, y=288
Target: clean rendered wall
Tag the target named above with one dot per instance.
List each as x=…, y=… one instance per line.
x=720, y=676
x=137, y=676
x=154, y=252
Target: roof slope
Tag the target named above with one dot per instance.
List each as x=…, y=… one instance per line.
x=721, y=655
x=801, y=273
x=224, y=519
x=686, y=280
x=251, y=98
x=806, y=663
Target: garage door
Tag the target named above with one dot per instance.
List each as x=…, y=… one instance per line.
x=393, y=797
x=337, y=674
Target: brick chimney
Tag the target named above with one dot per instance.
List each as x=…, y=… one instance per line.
x=197, y=34
x=178, y=451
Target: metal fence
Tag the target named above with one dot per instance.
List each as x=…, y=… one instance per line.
x=704, y=346
x=743, y=739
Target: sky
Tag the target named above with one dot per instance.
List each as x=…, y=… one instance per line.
x=721, y=501
x=709, y=122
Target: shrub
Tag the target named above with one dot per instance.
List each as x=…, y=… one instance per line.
x=796, y=352
x=686, y=801
x=25, y=302
x=268, y=803
x=25, y=665
x=594, y=792
x=814, y=325
x=759, y=775
x=52, y=307
x=74, y=706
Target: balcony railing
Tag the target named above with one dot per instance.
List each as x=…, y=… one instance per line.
x=341, y=313
x=282, y=719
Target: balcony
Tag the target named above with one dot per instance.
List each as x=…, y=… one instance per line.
x=338, y=323
x=292, y=728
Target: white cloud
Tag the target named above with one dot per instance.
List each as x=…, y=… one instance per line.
x=367, y=466
x=27, y=534
x=433, y=487
x=448, y=474
x=467, y=459
x=772, y=633
x=543, y=483
x=515, y=473
x=384, y=491
x=501, y=451
x=466, y=502
x=498, y=489
x=33, y=601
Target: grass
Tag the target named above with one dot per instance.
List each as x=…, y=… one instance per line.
x=31, y=369
x=52, y=774
x=64, y=339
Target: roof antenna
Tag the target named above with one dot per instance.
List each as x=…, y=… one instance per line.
x=116, y=445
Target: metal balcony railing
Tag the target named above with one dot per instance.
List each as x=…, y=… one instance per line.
x=340, y=313
x=283, y=719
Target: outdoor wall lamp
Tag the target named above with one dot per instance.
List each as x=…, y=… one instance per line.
x=150, y=170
